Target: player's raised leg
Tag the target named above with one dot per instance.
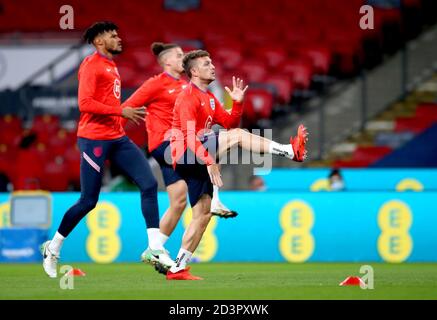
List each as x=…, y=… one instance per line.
x=295, y=150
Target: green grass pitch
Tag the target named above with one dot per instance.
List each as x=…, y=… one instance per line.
x=226, y=281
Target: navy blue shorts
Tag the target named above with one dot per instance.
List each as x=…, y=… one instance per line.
x=162, y=155
x=195, y=173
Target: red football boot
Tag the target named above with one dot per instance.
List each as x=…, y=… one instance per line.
x=183, y=274
x=298, y=144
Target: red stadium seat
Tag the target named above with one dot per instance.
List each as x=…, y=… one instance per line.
x=427, y=110
x=320, y=57
x=28, y=170
x=254, y=70
x=59, y=142
x=346, y=46
x=351, y=164
x=283, y=85
x=258, y=105
x=72, y=161
x=300, y=71
x=137, y=133
x=128, y=73
x=228, y=57
x=273, y=57
x=10, y=129
x=7, y=160
x=371, y=153
x=55, y=176
x=45, y=126
x=143, y=57
x=413, y=124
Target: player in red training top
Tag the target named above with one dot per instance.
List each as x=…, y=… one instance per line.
x=101, y=136
x=195, y=148
x=158, y=94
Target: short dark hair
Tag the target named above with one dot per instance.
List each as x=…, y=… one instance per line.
x=189, y=58
x=98, y=28
x=159, y=47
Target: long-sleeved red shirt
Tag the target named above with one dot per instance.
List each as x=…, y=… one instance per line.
x=158, y=94
x=99, y=99
x=195, y=111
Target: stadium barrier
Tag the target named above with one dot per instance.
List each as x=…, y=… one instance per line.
x=355, y=179
x=271, y=227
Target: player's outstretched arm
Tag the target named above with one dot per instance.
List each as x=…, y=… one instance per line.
x=144, y=95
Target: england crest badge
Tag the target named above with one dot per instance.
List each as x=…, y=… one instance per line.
x=212, y=103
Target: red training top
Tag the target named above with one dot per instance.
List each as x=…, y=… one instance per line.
x=158, y=94
x=195, y=111
x=99, y=99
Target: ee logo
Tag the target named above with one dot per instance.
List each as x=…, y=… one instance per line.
x=395, y=220
x=296, y=243
x=103, y=243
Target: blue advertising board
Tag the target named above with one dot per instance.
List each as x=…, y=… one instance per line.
x=271, y=226
x=354, y=179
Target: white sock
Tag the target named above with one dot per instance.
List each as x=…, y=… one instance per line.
x=181, y=261
x=163, y=238
x=154, y=239
x=56, y=244
x=215, y=194
x=284, y=150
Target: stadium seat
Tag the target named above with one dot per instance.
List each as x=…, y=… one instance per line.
x=7, y=160
x=320, y=57
x=258, y=105
x=10, y=129
x=28, y=170
x=283, y=85
x=59, y=142
x=427, y=110
x=274, y=57
x=228, y=57
x=45, y=126
x=393, y=139
x=300, y=71
x=413, y=124
x=254, y=70
x=55, y=175
x=350, y=164
x=129, y=74
x=142, y=56
x=72, y=161
x=137, y=133
x=370, y=154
